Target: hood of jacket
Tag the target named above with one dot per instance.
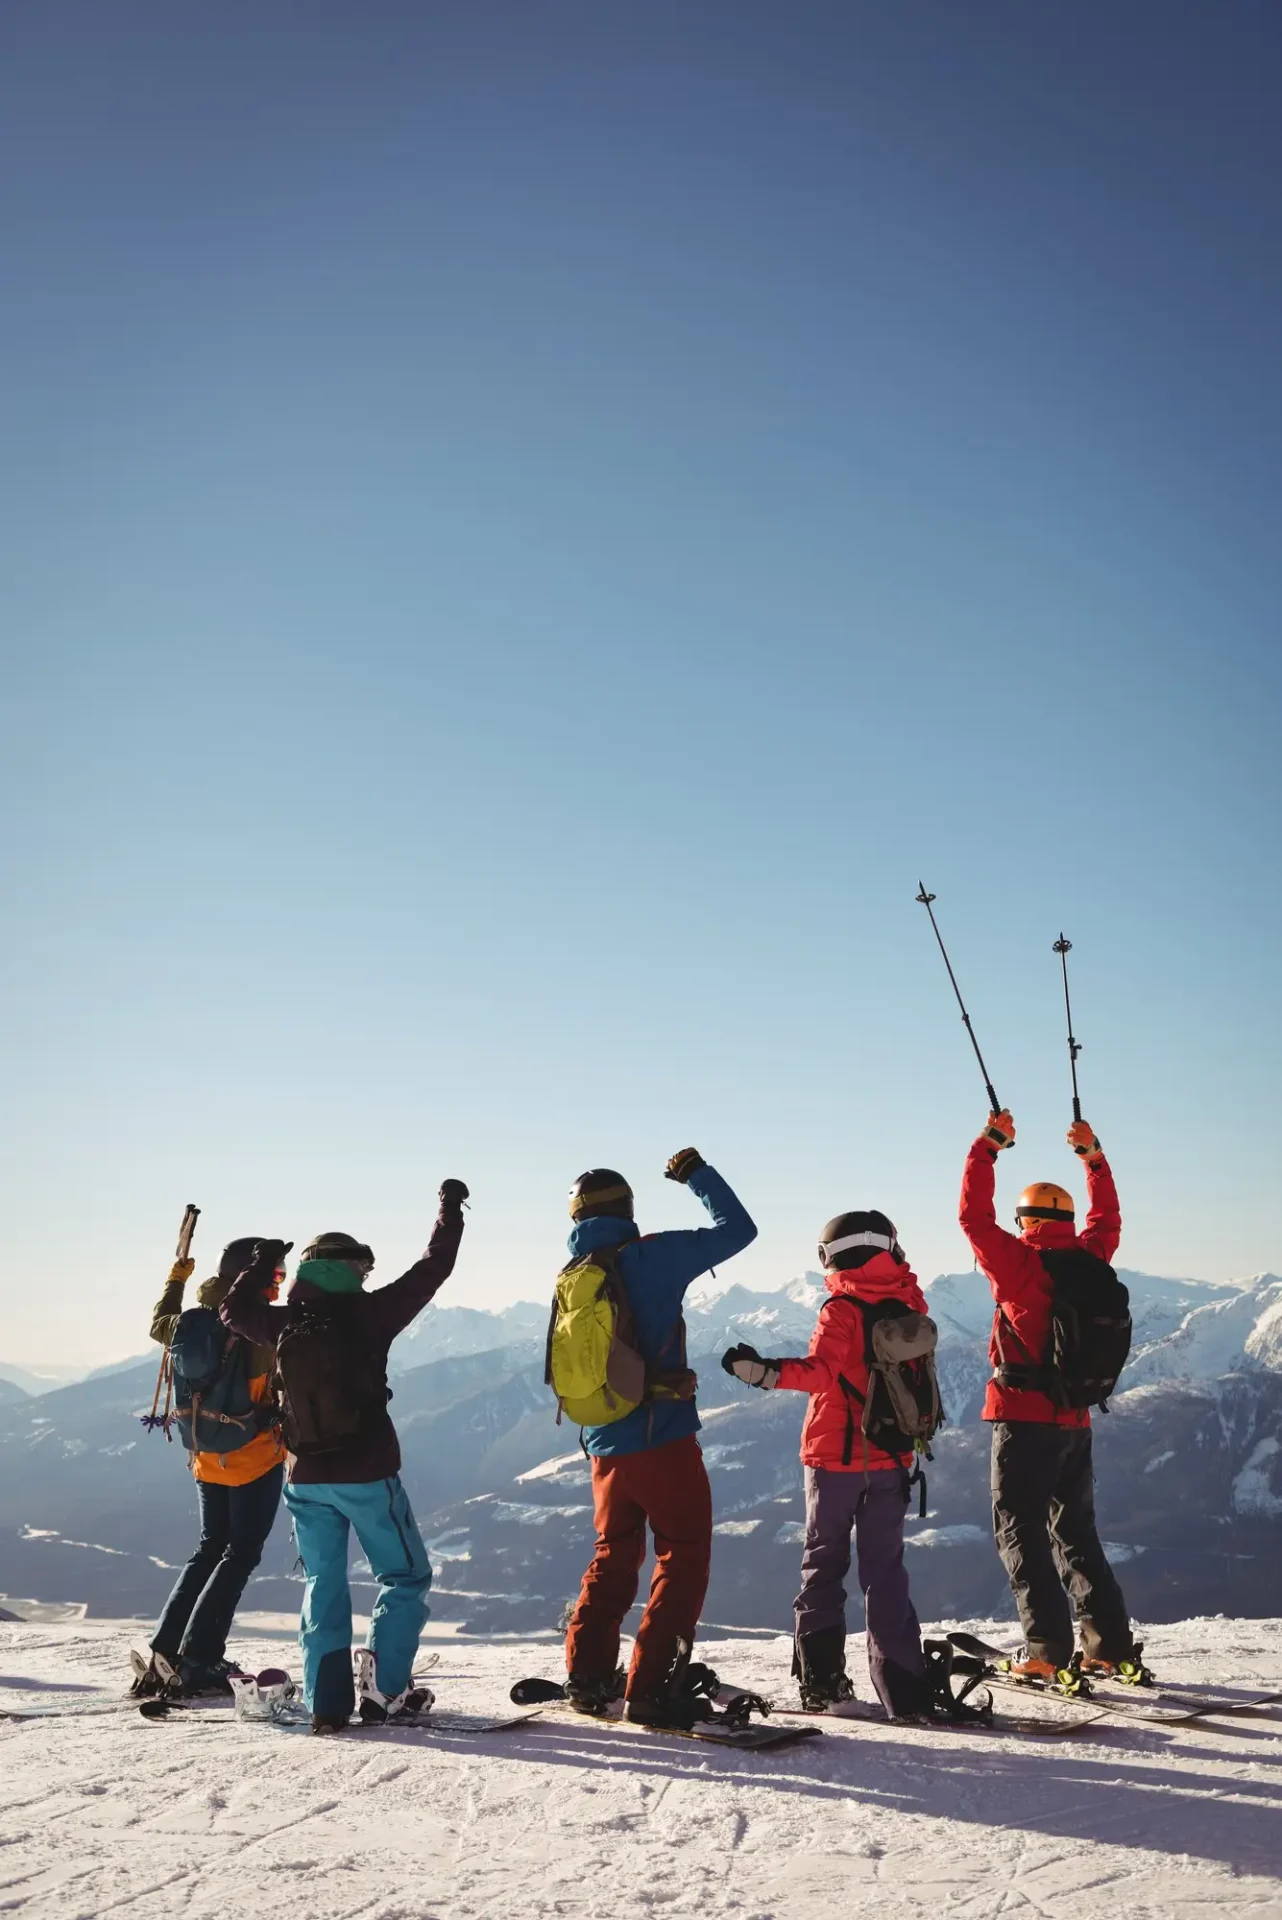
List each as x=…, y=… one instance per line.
x=881, y=1278
x=212, y=1293
x=1049, y=1233
x=588, y=1236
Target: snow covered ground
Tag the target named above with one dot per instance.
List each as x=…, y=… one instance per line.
x=109, y=1814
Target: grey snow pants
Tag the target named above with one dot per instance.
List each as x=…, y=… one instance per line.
x=872, y=1506
x=1043, y=1485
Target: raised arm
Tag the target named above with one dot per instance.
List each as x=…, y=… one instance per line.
x=168, y=1308
x=993, y=1246
x=245, y=1309
x=688, y=1252
x=392, y=1307
x=1103, y=1230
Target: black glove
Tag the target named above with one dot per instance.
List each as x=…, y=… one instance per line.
x=272, y=1251
x=746, y=1364
x=683, y=1164
x=453, y=1193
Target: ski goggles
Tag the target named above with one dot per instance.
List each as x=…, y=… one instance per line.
x=886, y=1243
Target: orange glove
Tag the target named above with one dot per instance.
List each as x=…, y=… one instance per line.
x=1083, y=1141
x=181, y=1271
x=1000, y=1131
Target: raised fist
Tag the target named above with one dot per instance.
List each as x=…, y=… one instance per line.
x=453, y=1193
x=1000, y=1131
x=683, y=1164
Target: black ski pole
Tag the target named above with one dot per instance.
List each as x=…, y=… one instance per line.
x=994, y=1104
x=1063, y=948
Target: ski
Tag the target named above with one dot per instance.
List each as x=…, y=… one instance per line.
x=1159, y=1706
x=748, y=1738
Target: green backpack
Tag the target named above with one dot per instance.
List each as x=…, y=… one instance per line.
x=593, y=1365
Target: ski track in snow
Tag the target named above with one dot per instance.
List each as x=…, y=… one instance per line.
x=187, y=1821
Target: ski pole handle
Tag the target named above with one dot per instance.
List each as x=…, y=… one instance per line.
x=186, y=1231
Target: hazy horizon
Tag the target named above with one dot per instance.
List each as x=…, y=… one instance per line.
x=708, y=1289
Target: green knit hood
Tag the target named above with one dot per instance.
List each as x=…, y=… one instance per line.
x=331, y=1276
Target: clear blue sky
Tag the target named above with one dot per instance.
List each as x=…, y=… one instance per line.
x=526, y=529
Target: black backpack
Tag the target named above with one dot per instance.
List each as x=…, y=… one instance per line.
x=1090, y=1332
x=213, y=1408
x=333, y=1390
x=902, y=1410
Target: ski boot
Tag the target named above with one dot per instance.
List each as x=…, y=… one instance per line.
x=377, y=1709
x=1131, y=1671
x=1033, y=1671
x=330, y=1722
x=594, y=1697
x=198, y=1681
x=818, y=1695
x=819, y=1668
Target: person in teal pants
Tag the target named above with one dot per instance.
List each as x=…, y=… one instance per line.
x=331, y=1342
x=378, y=1512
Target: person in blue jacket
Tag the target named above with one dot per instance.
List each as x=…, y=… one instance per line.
x=648, y=1467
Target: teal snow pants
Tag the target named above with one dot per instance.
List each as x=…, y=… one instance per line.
x=324, y=1516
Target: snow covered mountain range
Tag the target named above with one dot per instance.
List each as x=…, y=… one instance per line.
x=1189, y=1466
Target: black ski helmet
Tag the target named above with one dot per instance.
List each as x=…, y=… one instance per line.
x=601, y=1193
x=852, y=1239
x=339, y=1246
x=237, y=1255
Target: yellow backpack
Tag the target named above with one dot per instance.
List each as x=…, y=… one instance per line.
x=593, y=1365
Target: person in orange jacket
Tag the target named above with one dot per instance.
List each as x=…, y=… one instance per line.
x=1042, y=1474
x=238, y=1495
x=852, y=1486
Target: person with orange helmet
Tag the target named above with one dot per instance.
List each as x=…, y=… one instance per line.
x=1042, y=1472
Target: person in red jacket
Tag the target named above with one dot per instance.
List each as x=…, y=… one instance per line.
x=1043, y=1481
x=851, y=1485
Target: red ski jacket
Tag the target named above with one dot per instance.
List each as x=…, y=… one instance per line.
x=836, y=1348
x=1021, y=1285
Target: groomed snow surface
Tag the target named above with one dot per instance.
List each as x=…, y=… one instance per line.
x=112, y=1815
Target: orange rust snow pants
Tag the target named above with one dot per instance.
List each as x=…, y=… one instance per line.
x=668, y=1488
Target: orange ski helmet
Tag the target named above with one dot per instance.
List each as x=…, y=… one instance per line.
x=1044, y=1201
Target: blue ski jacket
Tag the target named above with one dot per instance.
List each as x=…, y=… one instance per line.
x=656, y=1273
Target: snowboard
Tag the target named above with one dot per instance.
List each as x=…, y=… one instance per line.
x=99, y=1709
x=301, y=1722
x=747, y=1739
x=1010, y=1723
x=1160, y=1706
